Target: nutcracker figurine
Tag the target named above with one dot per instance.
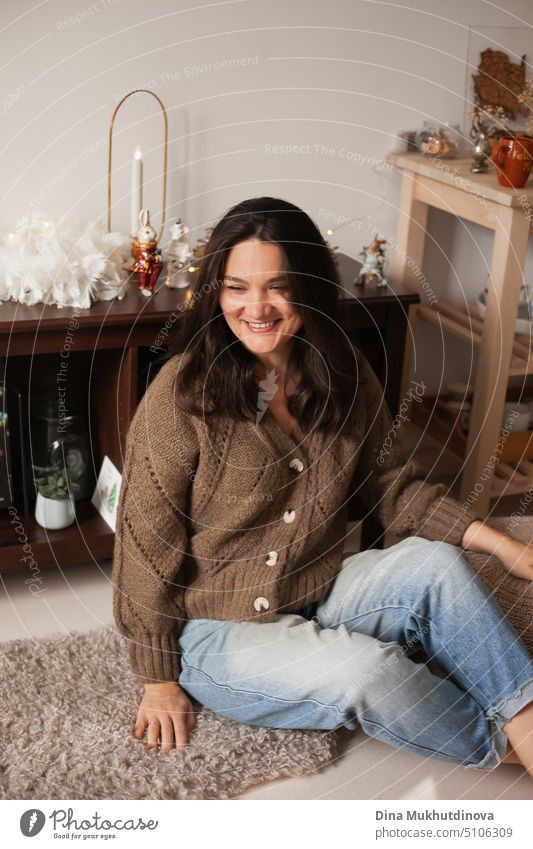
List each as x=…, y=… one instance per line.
x=148, y=261
x=373, y=262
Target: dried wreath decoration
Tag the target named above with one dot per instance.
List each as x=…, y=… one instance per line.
x=499, y=82
x=526, y=98
x=67, y=263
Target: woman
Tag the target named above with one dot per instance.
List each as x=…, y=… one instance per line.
x=230, y=581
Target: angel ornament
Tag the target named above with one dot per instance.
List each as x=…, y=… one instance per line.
x=373, y=262
x=148, y=261
x=178, y=256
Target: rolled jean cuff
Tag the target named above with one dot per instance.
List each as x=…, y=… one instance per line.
x=497, y=751
x=509, y=707
x=499, y=716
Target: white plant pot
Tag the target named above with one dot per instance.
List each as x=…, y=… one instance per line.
x=54, y=514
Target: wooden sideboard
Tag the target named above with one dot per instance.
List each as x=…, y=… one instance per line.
x=108, y=358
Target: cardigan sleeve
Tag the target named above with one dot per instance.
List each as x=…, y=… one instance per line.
x=152, y=530
x=393, y=483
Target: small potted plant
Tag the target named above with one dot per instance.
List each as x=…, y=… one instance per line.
x=55, y=507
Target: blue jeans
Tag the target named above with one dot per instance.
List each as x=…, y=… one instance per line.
x=345, y=660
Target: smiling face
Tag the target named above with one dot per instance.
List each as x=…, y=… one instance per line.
x=255, y=300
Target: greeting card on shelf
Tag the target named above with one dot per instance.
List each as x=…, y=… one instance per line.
x=105, y=496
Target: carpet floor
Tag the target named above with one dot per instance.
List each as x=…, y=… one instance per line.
x=67, y=708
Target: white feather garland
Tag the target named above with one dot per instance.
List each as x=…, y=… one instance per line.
x=68, y=263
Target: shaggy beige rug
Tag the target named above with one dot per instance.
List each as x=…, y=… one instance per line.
x=66, y=712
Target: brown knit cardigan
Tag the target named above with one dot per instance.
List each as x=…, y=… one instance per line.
x=227, y=519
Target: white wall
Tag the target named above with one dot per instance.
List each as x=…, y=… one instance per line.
x=340, y=76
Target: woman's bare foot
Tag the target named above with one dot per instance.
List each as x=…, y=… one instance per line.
x=511, y=757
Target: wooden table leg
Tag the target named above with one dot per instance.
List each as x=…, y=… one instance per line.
x=407, y=258
x=484, y=440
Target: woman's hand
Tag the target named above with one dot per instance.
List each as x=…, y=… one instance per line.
x=516, y=556
x=166, y=712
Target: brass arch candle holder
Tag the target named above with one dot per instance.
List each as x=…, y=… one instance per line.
x=146, y=257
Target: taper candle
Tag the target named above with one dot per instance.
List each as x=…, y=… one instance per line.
x=136, y=190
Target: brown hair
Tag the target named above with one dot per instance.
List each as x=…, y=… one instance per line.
x=219, y=373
